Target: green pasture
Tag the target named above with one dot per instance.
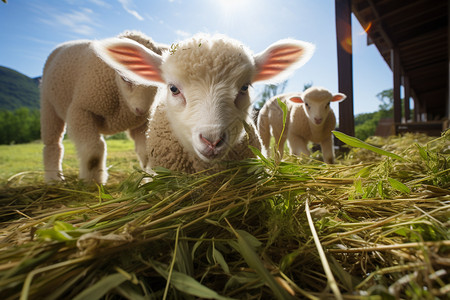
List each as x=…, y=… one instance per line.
x=23, y=159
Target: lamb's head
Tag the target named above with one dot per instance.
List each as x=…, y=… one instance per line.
x=207, y=96
x=316, y=103
x=206, y=81
x=137, y=97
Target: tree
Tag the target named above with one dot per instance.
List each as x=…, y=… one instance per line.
x=268, y=92
x=387, y=99
x=366, y=124
x=307, y=86
x=19, y=126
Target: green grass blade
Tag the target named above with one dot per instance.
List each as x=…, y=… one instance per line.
x=169, y=276
x=284, y=109
x=129, y=293
x=399, y=186
x=67, y=285
x=218, y=257
x=326, y=266
x=186, y=284
x=184, y=259
x=252, y=259
x=422, y=152
x=354, y=142
x=258, y=154
x=102, y=287
x=29, y=263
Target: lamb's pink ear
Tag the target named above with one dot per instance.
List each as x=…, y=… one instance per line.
x=338, y=97
x=131, y=60
x=296, y=99
x=281, y=58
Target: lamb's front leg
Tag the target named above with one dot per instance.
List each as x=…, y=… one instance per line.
x=138, y=135
x=298, y=145
x=90, y=145
x=327, y=146
x=52, y=132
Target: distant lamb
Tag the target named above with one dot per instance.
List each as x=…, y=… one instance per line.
x=201, y=119
x=309, y=118
x=80, y=90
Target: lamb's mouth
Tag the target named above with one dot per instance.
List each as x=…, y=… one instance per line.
x=211, y=148
x=139, y=111
x=211, y=154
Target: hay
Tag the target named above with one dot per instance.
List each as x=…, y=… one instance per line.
x=381, y=227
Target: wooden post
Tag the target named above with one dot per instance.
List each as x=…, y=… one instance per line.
x=345, y=73
x=423, y=112
x=407, y=88
x=448, y=63
x=416, y=115
x=395, y=65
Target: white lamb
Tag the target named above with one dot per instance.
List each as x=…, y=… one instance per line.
x=81, y=91
x=309, y=118
x=200, y=119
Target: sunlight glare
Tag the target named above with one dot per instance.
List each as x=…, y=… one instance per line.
x=228, y=7
x=366, y=30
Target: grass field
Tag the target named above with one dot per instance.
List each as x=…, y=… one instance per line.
x=21, y=159
x=375, y=225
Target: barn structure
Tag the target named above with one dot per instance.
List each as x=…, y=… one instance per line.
x=412, y=37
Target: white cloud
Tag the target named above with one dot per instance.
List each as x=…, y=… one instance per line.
x=100, y=3
x=127, y=4
x=77, y=21
x=40, y=41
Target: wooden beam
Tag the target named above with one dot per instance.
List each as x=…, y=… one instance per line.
x=395, y=65
x=418, y=18
x=377, y=23
x=345, y=69
x=403, y=7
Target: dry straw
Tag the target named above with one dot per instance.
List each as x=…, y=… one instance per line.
x=373, y=226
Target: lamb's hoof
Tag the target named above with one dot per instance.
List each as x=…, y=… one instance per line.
x=94, y=177
x=53, y=177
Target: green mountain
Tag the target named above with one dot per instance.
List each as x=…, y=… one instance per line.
x=17, y=90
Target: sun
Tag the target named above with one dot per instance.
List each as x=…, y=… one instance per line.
x=230, y=13
x=234, y=6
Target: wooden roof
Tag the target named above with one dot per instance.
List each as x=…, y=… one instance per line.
x=418, y=30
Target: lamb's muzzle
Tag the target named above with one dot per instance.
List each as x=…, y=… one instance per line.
x=211, y=142
x=212, y=150
x=318, y=121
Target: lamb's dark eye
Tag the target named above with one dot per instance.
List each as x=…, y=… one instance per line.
x=307, y=105
x=244, y=88
x=328, y=105
x=175, y=91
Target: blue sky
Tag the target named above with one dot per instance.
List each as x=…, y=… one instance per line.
x=32, y=29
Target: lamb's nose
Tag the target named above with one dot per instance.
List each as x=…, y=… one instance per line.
x=318, y=120
x=139, y=111
x=213, y=144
